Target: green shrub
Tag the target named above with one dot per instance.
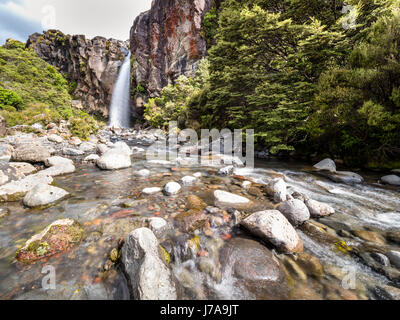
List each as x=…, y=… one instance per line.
x=82, y=124
x=34, y=80
x=9, y=98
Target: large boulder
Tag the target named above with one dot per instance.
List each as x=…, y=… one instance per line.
x=391, y=179
x=3, y=126
x=148, y=275
x=87, y=147
x=30, y=152
x=43, y=194
x=114, y=159
x=23, y=168
x=72, y=152
x=58, y=166
x=271, y=226
x=295, y=211
x=16, y=190
x=6, y=151
x=254, y=268
x=9, y=173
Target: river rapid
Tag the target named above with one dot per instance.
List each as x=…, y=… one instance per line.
x=110, y=204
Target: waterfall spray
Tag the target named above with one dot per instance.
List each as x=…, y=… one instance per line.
x=120, y=109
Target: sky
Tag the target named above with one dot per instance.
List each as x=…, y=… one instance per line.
x=107, y=18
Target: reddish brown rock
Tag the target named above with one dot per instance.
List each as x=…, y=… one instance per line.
x=167, y=42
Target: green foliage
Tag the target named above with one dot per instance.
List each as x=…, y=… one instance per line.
x=210, y=26
x=9, y=98
x=33, y=91
x=299, y=75
x=357, y=107
x=35, y=81
x=178, y=100
x=14, y=44
x=81, y=123
x=264, y=70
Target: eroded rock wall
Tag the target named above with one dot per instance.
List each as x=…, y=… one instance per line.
x=91, y=65
x=166, y=42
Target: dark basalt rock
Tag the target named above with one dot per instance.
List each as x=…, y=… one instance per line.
x=255, y=267
x=92, y=64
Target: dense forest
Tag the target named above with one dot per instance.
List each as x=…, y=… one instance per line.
x=311, y=77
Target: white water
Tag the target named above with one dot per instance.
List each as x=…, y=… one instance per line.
x=120, y=109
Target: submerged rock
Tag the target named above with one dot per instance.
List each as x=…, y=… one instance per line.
x=318, y=209
x=172, y=188
x=143, y=173
x=148, y=275
x=56, y=238
x=196, y=203
x=226, y=199
x=188, y=180
x=43, y=194
x=151, y=190
x=369, y=236
x=391, y=179
x=295, y=211
x=310, y=264
x=254, y=268
x=344, y=177
x=273, y=227
x=191, y=220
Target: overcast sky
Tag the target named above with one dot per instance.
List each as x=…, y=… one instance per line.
x=107, y=18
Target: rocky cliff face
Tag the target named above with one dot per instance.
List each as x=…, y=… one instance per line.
x=90, y=65
x=166, y=42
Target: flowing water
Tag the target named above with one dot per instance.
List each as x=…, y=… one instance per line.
x=99, y=203
x=120, y=109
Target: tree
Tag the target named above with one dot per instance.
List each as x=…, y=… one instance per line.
x=357, y=108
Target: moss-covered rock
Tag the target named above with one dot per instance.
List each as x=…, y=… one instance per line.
x=56, y=238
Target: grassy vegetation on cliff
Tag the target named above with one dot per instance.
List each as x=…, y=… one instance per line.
x=32, y=91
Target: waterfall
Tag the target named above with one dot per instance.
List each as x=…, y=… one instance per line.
x=120, y=109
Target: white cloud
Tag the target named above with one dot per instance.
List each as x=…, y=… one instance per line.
x=108, y=18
